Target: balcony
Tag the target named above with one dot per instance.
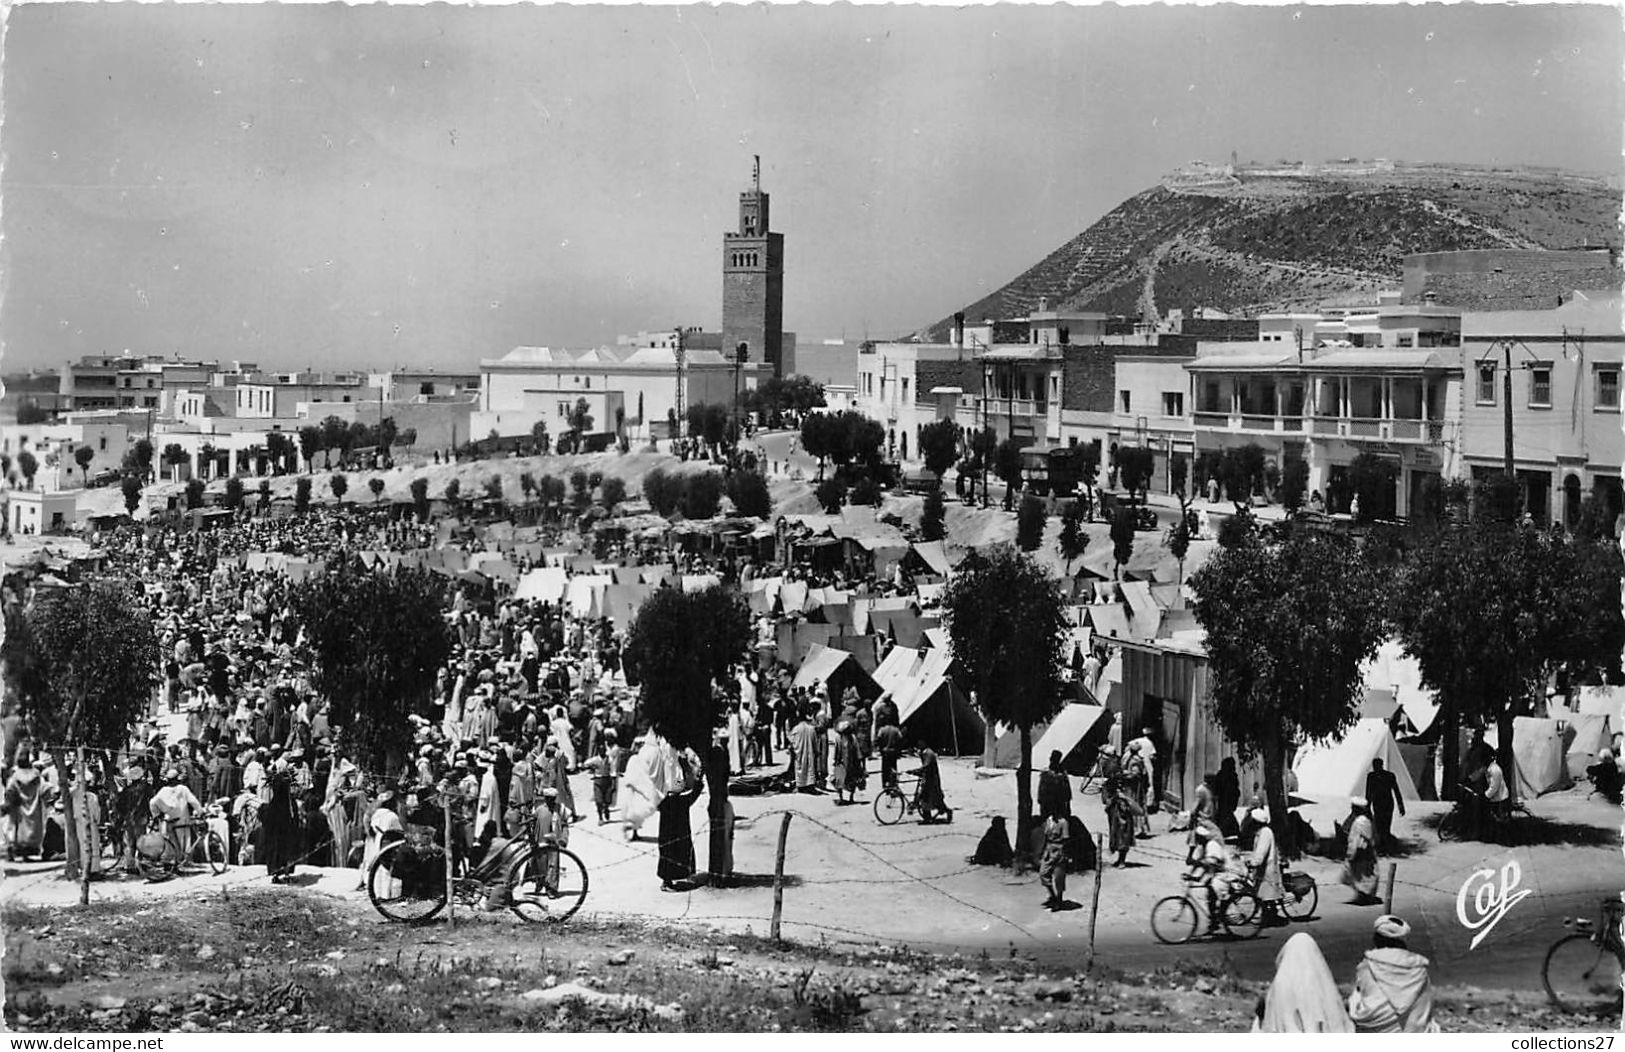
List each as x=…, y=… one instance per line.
x=1014, y=407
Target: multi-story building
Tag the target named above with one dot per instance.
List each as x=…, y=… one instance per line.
x=905, y=386
x=144, y=382
x=404, y=385
x=1384, y=382
x=1566, y=363
x=753, y=284
x=55, y=446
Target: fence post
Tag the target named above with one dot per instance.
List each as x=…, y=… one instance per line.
x=1388, y=902
x=451, y=900
x=1094, y=902
x=778, y=877
x=86, y=832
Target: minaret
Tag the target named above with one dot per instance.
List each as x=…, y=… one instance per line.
x=753, y=281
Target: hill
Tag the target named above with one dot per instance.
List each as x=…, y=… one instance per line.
x=1246, y=240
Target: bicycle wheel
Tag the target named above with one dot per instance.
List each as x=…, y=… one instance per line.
x=549, y=884
x=1243, y=916
x=1581, y=975
x=214, y=853
x=1173, y=920
x=408, y=885
x=1301, y=906
x=890, y=806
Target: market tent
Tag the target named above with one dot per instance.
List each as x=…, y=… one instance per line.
x=1145, y=616
x=1379, y=704
x=838, y=670
x=794, y=637
x=1002, y=745
x=622, y=601
x=547, y=585
x=937, y=639
x=1538, y=748
x=1110, y=621
x=901, y=625
x=935, y=555
x=585, y=595
x=1077, y=732
x=793, y=597
x=930, y=705
x=1602, y=701
x=930, y=594
x=581, y=564
x=699, y=582
x=656, y=575
x=1339, y=768
x=1590, y=733
x=1394, y=670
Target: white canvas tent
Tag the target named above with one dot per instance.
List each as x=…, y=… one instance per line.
x=547, y=585
x=930, y=705
x=838, y=669
x=586, y=595
x=1339, y=768
x=1589, y=734
x=1077, y=733
x=1538, y=752
x=1397, y=672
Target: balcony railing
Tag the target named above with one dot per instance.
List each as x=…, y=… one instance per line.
x=1251, y=422
x=1362, y=427
x=1211, y=419
x=1403, y=430
x=1380, y=429
x=1015, y=407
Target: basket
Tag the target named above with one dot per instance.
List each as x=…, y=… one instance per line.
x=1298, y=883
x=420, y=837
x=151, y=846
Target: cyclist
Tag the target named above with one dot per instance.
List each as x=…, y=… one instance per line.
x=175, y=807
x=1221, y=871
x=928, y=795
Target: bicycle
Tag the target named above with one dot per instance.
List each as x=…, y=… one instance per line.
x=159, y=855
x=1175, y=918
x=1474, y=818
x=1582, y=969
x=538, y=880
x=893, y=804
x=1302, y=895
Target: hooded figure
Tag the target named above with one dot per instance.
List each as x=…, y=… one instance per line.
x=994, y=848
x=1302, y=998
x=1360, y=862
x=1392, y=993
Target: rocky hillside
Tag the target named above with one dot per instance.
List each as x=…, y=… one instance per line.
x=1275, y=241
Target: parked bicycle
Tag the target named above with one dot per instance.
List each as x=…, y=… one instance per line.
x=1583, y=968
x=161, y=854
x=893, y=804
x=1302, y=895
x=1176, y=919
x=1474, y=818
x=538, y=880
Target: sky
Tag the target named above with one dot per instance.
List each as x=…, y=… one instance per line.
x=326, y=186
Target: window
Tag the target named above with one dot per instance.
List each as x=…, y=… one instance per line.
x=1607, y=390
x=1123, y=401
x=1407, y=340
x=1173, y=403
x=905, y=392
x=104, y=442
x=1486, y=384
x=1540, y=386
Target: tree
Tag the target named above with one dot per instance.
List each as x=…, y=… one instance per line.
x=131, y=486
x=301, y=495
x=194, y=493
x=581, y=417
x=454, y=489
x=527, y=485
x=939, y=446
x=1135, y=466
x=830, y=494
x=1294, y=484
x=377, y=641
x=817, y=436
x=612, y=492
x=265, y=493
x=387, y=433
x=82, y=662
x=581, y=487
x=335, y=436
x=420, y=498
x=1497, y=499
x=679, y=648
x=748, y=491
x=1122, y=534
x=662, y=490
x=1371, y=478
x=310, y=443
x=1006, y=620
x=1288, y=628
x=1007, y=465
x=932, y=516
x=1030, y=523
x=1179, y=536
x=1239, y=529
x=865, y=492
x=709, y=423
x=376, y=484
x=493, y=488
x=1492, y=610
x=174, y=456
x=407, y=438
x=28, y=465
x=234, y=493
x=538, y=436
x=276, y=448
x=552, y=490
x=702, y=495
x=1074, y=538
x=83, y=456
x=339, y=485
x=139, y=458
x=29, y=411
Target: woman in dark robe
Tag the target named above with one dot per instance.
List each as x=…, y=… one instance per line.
x=676, y=832
x=279, y=827
x=1119, y=820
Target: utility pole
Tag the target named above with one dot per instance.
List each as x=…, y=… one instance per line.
x=682, y=364
x=1506, y=412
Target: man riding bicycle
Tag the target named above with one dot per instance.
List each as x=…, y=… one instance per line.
x=1220, y=870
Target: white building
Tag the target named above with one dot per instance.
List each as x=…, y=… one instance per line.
x=54, y=446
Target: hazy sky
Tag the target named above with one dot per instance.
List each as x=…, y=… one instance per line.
x=328, y=185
